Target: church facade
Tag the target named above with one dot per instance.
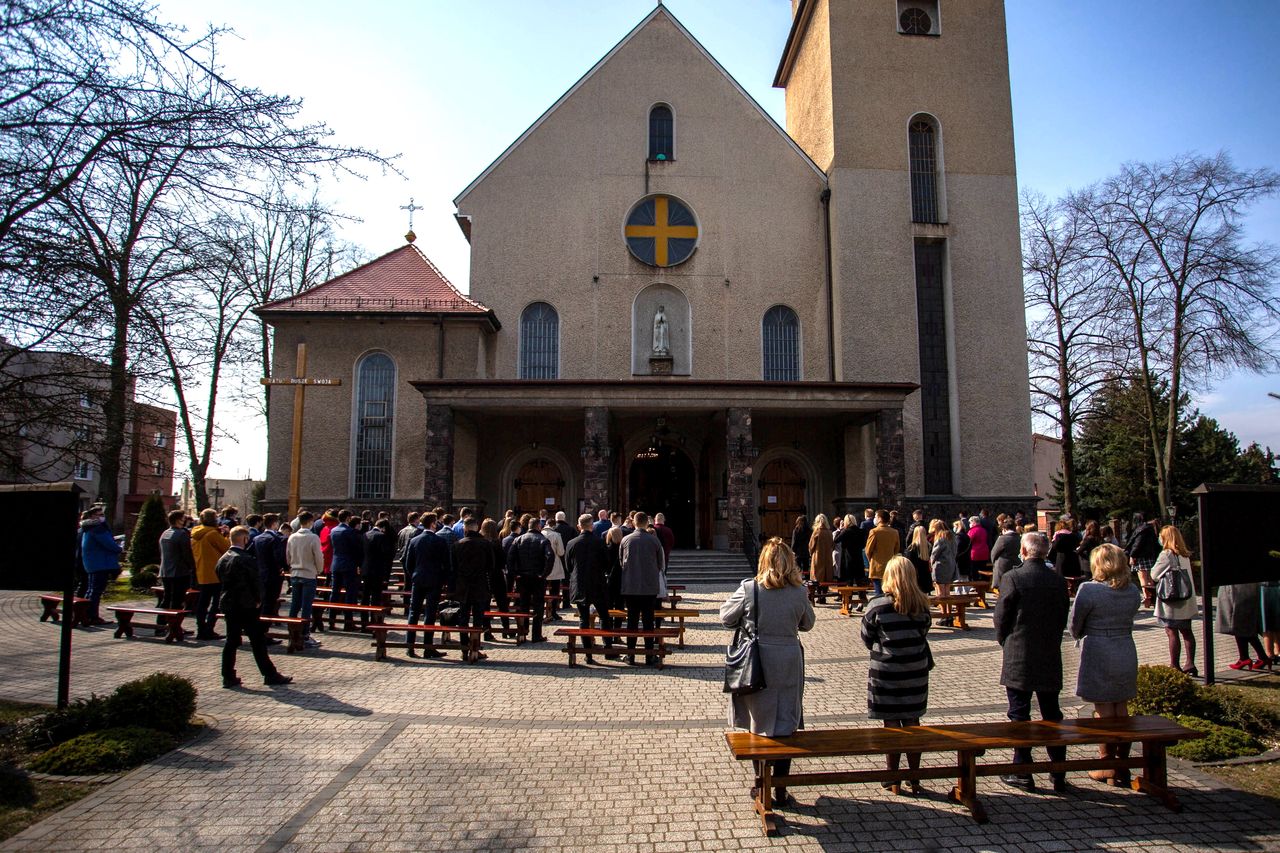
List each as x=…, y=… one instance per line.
x=676, y=305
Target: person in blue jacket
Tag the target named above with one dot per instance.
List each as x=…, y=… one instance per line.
x=101, y=555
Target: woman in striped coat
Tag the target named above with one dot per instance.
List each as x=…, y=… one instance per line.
x=894, y=628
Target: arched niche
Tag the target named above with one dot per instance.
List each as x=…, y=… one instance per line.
x=679, y=326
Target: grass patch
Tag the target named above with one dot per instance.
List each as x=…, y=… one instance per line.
x=1262, y=778
x=11, y=712
x=24, y=802
x=120, y=590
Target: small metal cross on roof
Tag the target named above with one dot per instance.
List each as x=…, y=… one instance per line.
x=411, y=207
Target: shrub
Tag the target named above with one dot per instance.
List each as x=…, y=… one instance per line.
x=1163, y=690
x=161, y=700
x=55, y=727
x=1218, y=743
x=144, y=545
x=107, y=751
x=145, y=577
x=1239, y=709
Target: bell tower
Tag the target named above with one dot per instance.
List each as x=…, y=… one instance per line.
x=906, y=105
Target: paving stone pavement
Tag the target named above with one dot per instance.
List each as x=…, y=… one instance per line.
x=522, y=753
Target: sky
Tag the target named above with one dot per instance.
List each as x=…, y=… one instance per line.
x=448, y=85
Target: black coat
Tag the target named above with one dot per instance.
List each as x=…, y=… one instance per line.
x=427, y=560
x=963, y=565
x=531, y=556
x=379, y=552
x=473, y=563
x=566, y=531
x=498, y=576
x=851, y=541
x=1142, y=544
x=587, y=561
x=1064, y=553
x=1030, y=616
x=241, y=586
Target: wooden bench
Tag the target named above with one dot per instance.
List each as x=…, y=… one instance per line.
x=189, y=600
x=980, y=589
x=660, y=634
x=847, y=593
x=660, y=613
x=333, y=608
x=169, y=621
x=958, y=603
x=468, y=639
x=294, y=634
x=818, y=590
x=522, y=621
x=968, y=741
x=552, y=608
x=672, y=589
x=79, y=609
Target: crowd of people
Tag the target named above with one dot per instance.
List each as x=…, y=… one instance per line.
x=1030, y=571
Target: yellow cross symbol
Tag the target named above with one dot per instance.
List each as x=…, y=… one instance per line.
x=662, y=231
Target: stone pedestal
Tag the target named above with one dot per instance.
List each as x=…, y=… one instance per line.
x=437, y=488
x=595, y=462
x=661, y=365
x=741, y=461
x=891, y=474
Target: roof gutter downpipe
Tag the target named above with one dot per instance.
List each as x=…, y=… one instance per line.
x=825, y=197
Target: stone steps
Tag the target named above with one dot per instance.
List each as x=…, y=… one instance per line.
x=708, y=567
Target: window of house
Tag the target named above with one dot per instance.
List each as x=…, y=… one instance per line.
x=539, y=342
x=86, y=401
x=83, y=471
x=926, y=197
x=375, y=402
x=662, y=136
x=781, y=340
x=160, y=439
x=157, y=468
x=918, y=18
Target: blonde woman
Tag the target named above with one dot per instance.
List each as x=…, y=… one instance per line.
x=821, y=550
x=1175, y=616
x=775, y=603
x=894, y=629
x=918, y=552
x=1102, y=615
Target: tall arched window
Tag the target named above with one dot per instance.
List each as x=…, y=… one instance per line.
x=781, y=345
x=375, y=407
x=662, y=133
x=926, y=196
x=539, y=342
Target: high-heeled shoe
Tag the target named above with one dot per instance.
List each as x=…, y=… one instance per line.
x=1192, y=671
x=1261, y=664
x=1243, y=663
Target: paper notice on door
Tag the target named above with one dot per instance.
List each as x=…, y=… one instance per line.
x=773, y=499
x=550, y=501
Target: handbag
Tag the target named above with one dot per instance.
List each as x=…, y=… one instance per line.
x=743, y=672
x=1174, y=586
x=449, y=613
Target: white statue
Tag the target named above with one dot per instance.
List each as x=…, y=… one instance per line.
x=661, y=334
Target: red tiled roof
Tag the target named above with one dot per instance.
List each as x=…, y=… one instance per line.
x=401, y=281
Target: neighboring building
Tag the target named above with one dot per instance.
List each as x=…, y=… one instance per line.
x=1046, y=456
x=51, y=416
x=221, y=492
x=677, y=305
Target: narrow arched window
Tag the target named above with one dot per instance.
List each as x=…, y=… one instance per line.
x=781, y=345
x=662, y=133
x=539, y=342
x=375, y=408
x=922, y=140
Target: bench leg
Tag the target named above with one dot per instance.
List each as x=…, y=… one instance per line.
x=124, y=624
x=965, y=791
x=662, y=652
x=960, y=623
x=317, y=620
x=380, y=644
x=1154, y=779
x=572, y=648
x=681, y=644
x=50, y=611
x=764, y=800
x=296, y=638
x=175, y=628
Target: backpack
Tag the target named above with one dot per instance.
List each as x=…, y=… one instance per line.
x=1174, y=586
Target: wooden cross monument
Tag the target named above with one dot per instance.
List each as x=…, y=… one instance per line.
x=299, y=381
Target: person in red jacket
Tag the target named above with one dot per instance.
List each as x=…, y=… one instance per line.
x=326, y=546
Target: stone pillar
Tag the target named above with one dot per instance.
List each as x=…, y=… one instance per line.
x=437, y=488
x=891, y=473
x=595, y=459
x=741, y=459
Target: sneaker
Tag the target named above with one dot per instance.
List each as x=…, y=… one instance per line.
x=311, y=643
x=1022, y=783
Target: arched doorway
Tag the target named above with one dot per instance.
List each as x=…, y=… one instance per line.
x=662, y=480
x=782, y=488
x=539, y=485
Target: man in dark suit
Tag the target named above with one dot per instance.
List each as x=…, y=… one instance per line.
x=348, y=554
x=1030, y=617
x=587, y=561
x=269, y=550
x=529, y=561
x=379, y=551
x=429, y=565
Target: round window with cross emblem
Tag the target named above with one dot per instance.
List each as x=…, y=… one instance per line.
x=661, y=231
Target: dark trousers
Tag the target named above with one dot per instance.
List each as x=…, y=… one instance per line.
x=346, y=587
x=584, y=621
x=271, y=586
x=553, y=588
x=425, y=602
x=246, y=623
x=639, y=612
x=175, y=592
x=207, y=608
x=532, y=600
x=97, y=585
x=498, y=586
x=371, y=589
x=1020, y=710
x=471, y=614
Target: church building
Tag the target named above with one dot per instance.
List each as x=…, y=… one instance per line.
x=679, y=306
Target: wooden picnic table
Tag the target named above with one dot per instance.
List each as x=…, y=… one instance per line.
x=659, y=613
x=959, y=602
x=660, y=651
x=846, y=594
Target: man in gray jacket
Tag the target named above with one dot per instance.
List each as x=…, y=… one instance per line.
x=177, y=563
x=1030, y=616
x=642, y=564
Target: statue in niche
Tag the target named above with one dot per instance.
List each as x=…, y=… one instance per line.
x=661, y=333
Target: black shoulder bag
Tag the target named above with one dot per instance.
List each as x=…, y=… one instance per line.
x=743, y=673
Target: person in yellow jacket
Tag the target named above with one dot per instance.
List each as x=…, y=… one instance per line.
x=883, y=544
x=208, y=544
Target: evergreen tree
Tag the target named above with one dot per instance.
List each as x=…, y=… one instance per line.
x=144, y=547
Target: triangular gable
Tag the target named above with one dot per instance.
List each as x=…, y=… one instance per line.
x=659, y=10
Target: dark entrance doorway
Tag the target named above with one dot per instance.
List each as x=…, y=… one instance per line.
x=662, y=480
x=781, y=498
x=539, y=486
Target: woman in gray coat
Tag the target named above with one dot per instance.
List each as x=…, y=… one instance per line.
x=1102, y=615
x=783, y=611
x=942, y=559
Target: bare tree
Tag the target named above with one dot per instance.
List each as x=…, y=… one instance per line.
x=1071, y=340
x=1199, y=300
